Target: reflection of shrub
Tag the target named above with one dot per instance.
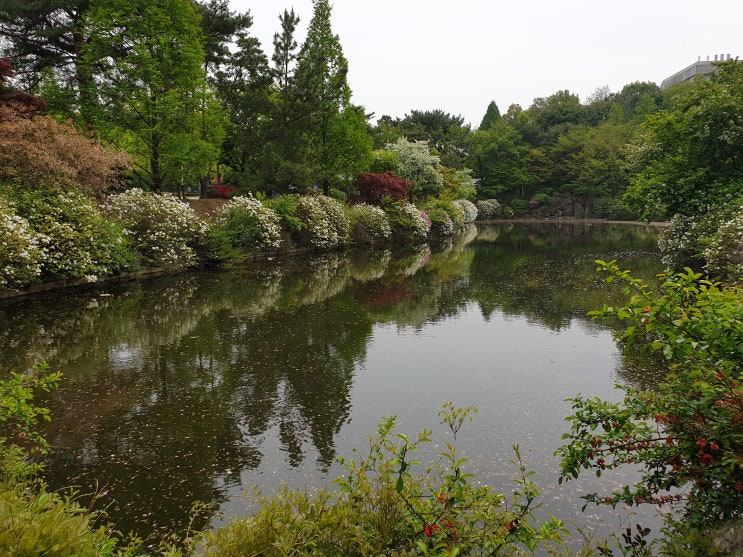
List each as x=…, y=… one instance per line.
x=488, y=209
x=20, y=252
x=406, y=221
x=79, y=242
x=369, y=224
x=469, y=209
x=246, y=224
x=324, y=221
x=162, y=230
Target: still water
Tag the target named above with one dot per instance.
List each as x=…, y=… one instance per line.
x=198, y=386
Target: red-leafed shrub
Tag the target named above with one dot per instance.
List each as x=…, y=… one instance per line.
x=375, y=186
x=225, y=191
x=20, y=101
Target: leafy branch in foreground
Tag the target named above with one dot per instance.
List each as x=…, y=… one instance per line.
x=686, y=435
x=388, y=505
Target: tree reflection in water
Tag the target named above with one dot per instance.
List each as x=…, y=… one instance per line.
x=183, y=388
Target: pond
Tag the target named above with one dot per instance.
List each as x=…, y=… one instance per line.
x=198, y=386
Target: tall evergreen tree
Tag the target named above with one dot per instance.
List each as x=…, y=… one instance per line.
x=492, y=115
x=44, y=40
x=323, y=94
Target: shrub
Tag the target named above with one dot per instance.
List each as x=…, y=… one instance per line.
x=246, y=224
x=488, y=209
x=406, y=221
x=608, y=208
x=441, y=223
x=41, y=152
x=685, y=434
x=469, y=209
x=162, y=230
x=518, y=206
x=79, y=241
x=724, y=251
x=21, y=251
x=369, y=224
x=286, y=208
x=373, y=187
x=324, y=221
x=683, y=242
x=386, y=506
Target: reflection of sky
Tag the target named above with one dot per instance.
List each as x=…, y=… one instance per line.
x=126, y=357
x=517, y=373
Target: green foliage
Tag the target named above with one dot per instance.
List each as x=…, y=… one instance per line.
x=685, y=434
x=688, y=156
x=389, y=504
x=286, y=207
x=18, y=415
x=369, y=224
x=439, y=212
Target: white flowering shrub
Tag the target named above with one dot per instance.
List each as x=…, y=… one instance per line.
x=683, y=241
x=324, y=223
x=724, y=253
x=468, y=208
x=245, y=223
x=488, y=209
x=369, y=224
x=78, y=241
x=407, y=221
x=163, y=230
x=21, y=253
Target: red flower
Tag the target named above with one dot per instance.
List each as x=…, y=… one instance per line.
x=739, y=486
x=647, y=309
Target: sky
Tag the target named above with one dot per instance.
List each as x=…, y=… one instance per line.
x=459, y=55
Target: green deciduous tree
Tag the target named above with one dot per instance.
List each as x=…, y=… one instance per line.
x=151, y=93
x=497, y=160
x=691, y=156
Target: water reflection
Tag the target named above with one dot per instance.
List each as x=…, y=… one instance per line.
x=186, y=388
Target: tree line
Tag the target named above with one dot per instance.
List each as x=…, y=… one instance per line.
x=185, y=89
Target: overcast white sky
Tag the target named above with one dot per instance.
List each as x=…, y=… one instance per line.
x=458, y=55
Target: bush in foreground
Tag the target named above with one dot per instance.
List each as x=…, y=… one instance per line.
x=685, y=435
x=384, y=506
